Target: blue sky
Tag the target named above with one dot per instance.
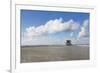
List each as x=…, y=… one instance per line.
x=75, y=23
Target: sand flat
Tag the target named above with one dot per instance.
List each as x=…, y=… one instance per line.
x=53, y=53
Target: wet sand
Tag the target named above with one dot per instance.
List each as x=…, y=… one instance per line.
x=53, y=53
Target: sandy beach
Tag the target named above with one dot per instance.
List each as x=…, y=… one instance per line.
x=53, y=53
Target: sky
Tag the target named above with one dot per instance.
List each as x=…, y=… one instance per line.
x=53, y=27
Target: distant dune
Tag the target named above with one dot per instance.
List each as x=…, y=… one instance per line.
x=45, y=53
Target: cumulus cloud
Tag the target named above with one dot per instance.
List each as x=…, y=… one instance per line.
x=52, y=26
x=84, y=30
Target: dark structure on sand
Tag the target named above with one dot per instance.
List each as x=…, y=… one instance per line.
x=68, y=42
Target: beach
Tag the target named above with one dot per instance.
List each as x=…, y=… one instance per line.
x=46, y=53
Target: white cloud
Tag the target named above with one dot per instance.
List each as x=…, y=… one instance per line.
x=52, y=26
x=71, y=34
x=84, y=30
x=34, y=35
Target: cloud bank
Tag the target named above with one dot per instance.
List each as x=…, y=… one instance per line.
x=52, y=26
x=39, y=35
